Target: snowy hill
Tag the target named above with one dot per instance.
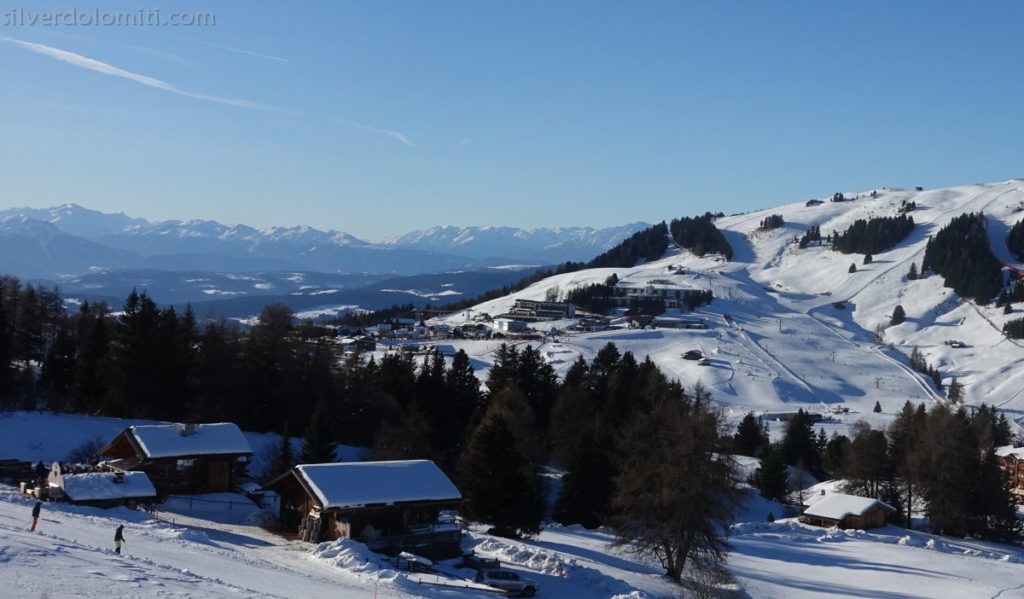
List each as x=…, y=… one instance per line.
x=793, y=327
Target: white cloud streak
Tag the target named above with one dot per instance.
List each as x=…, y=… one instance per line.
x=91, y=64
x=395, y=135
x=241, y=51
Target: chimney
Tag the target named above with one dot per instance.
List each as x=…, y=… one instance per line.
x=118, y=478
x=187, y=429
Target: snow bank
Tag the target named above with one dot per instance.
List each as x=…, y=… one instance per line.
x=553, y=564
x=354, y=557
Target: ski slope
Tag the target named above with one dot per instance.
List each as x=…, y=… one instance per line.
x=776, y=338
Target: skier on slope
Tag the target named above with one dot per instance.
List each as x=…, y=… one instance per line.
x=35, y=515
x=118, y=539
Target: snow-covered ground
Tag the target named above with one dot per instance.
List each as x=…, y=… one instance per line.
x=214, y=546
x=777, y=341
x=215, y=551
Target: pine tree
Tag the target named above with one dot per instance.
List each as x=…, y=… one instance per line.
x=799, y=446
x=917, y=360
x=772, y=477
x=586, y=486
x=500, y=486
x=912, y=273
x=904, y=435
x=955, y=391
x=751, y=435
x=868, y=259
x=899, y=316
x=284, y=457
x=57, y=378
x=92, y=362
x=834, y=457
x=868, y=466
x=947, y=459
x=1004, y=524
x=318, y=443
x=7, y=353
x=852, y=269
x=878, y=408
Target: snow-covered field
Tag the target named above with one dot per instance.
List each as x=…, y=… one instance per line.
x=213, y=552
x=213, y=546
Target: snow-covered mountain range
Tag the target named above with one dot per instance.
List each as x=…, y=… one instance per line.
x=547, y=245
x=70, y=240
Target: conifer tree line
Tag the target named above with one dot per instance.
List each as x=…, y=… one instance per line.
x=939, y=462
x=1015, y=239
x=812, y=235
x=700, y=235
x=1013, y=292
x=874, y=235
x=643, y=246
x=1014, y=329
x=961, y=253
x=918, y=363
x=772, y=222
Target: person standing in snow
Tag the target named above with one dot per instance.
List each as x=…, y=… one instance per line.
x=118, y=539
x=35, y=515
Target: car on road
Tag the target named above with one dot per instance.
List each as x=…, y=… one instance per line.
x=507, y=580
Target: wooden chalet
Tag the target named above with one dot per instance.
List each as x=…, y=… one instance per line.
x=182, y=458
x=390, y=506
x=1011, y=460
x=847, y=511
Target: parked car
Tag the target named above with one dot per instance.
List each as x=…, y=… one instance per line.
x=477, y=562
x=511, y=582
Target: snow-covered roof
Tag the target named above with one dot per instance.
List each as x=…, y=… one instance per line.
x=1010, y=450
x=357, y=484
x=94, y=486
x=836, y=506
x=170, y=440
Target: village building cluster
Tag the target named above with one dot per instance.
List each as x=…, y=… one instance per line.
x=391, y=506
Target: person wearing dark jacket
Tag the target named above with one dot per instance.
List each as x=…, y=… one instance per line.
x=35, y=515
x=118, y=539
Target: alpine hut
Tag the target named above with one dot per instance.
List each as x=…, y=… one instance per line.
x=390, y=506
x=182, y=458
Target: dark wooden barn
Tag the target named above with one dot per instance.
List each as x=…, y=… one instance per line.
x=390, y=506
x=182, y=458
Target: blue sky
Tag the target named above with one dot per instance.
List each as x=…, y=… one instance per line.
x=382, y=117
